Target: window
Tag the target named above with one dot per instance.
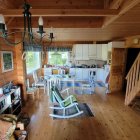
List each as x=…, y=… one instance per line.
x=58, y=58
x=33, y=61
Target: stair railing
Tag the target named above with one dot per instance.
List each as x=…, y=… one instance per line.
x=133, y=81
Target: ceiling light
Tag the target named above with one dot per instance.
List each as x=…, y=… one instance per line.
x=27, y=34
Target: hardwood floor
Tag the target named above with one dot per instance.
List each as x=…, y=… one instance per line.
x=112, y=121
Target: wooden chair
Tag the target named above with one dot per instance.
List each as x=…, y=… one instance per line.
x=91, y=84
x=61, y=71
x=53, y=82
x=32, y=91
x=39, y=82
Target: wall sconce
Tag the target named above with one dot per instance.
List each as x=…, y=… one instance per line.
x=136, y=41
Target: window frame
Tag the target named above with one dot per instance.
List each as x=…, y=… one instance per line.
x=40, y=63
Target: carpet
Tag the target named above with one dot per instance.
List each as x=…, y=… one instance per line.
x=82, y=106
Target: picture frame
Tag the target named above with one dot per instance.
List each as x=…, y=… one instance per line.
x=7, y=61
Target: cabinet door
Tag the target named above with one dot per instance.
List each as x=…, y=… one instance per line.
x=85, y=74
x=100, y=74
x=99, y=51
x=104, y=52
x=72, y=72
x=92, y=51
x=78, y=51
x=78, y=73
x=85, y=52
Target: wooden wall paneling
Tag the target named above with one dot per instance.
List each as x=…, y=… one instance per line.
x=6, y=77
x=117, y=69
x=21, y=71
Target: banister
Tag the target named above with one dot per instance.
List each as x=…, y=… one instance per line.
x=138, y=58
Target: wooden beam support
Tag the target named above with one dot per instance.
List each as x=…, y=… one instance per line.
x=127, y=5
x=60, y=12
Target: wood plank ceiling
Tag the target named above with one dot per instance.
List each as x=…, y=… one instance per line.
x=78, y=20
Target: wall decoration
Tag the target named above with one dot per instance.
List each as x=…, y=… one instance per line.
x=7, y=61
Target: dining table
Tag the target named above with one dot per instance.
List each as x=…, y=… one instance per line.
x=65, y=80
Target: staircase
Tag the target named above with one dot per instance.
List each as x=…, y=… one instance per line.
x=133, y=82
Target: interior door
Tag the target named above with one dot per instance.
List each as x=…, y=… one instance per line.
x=118, y=65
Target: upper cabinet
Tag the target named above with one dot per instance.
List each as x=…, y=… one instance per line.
x=99, y=51
x=78, y=52
x=104, y=52
x=85, y=52
x=81, y=51
x=92, y=51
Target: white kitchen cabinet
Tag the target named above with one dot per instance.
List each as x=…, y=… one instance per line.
x=79, y=73
x=81, y=52
x=85, y=73
x=92, y=51
x=104, y=52
x=100, y=74
x=85, y=52
x=72, y=72
x=78, y=52
x=99, y=51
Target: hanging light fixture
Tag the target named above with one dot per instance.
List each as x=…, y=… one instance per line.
x=27, y=34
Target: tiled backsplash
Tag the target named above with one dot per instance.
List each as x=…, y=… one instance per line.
x=89, y=62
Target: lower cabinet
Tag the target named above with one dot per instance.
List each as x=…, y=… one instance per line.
x=102, y=74
x=85, y=74
x=81, y=73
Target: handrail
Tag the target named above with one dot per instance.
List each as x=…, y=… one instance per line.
x=133, y=81
x=138, y=57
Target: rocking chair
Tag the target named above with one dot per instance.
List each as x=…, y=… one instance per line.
x=64, y=104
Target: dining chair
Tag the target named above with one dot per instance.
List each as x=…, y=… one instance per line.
x=61, y=71
x=91, y=82
x=32, y=91
x=39, y=81
x=55, y=81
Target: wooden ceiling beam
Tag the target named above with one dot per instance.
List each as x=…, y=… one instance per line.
x=61, y=12
x=115, y=4
x=124, y=6
x=106, y=4
x=61, y=23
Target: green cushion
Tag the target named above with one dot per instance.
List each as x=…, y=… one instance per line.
x=68, y=102
x=55, y=93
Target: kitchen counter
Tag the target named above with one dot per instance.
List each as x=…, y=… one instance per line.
x=83, y=73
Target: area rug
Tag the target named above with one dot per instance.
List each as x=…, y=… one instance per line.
x=82, y=106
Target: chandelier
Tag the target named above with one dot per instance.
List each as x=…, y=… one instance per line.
x=27, y=34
